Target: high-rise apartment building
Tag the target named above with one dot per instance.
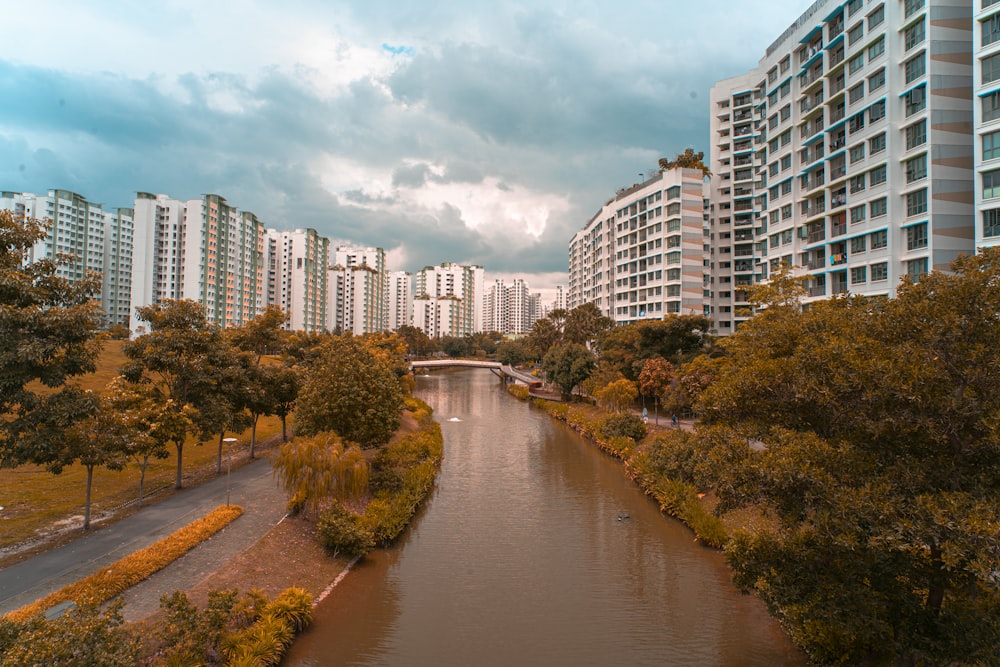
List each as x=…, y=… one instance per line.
x=510, y=308
x=448, y=300
x=295, y=277
x=847, y=152
x=95, y=239
x=400, y=293
x=986, y=114
x=228, y=277
x=642, y=255
x=358, y=291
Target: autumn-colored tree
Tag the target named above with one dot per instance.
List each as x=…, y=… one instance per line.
x=543, y=337
x=351, y=391
x=686, y=160
x=656, y=380
x=584, y=324
x=314, y=470
x=603, y=374
x=47, y=325
x=618, y=395
x=880, y=457
x=418, y=343
x=514, y=352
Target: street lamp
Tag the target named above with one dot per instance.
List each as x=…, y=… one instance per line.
x=229, y=465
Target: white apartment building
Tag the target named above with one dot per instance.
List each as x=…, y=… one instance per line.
x=510, y=308
x=986, y=114
x=357, y=283
x=400, y=292
x=228, y=276
x=97, y=240
x=642, y=255
x=158, y=225
x=295, y=277
x=846, y=152
x=448, y=300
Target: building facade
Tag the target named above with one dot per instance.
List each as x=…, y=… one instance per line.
x=986, y=115
x=400, y=293
x=642, y=255
x=358, y=291
x=847, y=153
x=448, y=300
x=296, y=277
x=510, y=309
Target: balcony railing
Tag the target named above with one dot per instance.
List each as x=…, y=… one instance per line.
x=817, y=236
x=838, y=230
x=819, y=290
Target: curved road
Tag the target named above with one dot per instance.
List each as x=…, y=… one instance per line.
x=252, y=487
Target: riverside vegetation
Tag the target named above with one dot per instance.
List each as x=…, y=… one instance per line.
x=188, y=381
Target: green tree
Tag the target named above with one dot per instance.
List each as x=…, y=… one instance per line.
x=418, y=343
x=675, y=338
x=47, y=325
x=284, y=383
x=584, y=324
x=180, y=358
x=878, y=420
x=568, y=365
x=543, y=337
x=352, y=391
x=514, y=352
x=314, y=470
x=686, y=160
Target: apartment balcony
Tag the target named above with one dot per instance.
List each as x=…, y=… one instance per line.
x=818, y=290
x=744, y=114
x=838, y=258
x=838, y=198
x=837, y=113
x=743, y=192
x=743, y=161
x=837, y=85
x=837, y=142
x=838, y=229
x=836, y=57
x=816, y=236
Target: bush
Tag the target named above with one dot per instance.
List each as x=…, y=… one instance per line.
x=629, y=426
x=340, y=532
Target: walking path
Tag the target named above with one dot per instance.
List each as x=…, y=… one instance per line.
x=252, y=487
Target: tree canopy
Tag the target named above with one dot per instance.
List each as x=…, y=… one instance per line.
x=686, y=160
x=881, y=460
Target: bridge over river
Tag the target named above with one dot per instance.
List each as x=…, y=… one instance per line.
x=507, y=373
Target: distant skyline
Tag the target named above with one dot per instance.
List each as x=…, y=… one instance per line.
x=478, y=133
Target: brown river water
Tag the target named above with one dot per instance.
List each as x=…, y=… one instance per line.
x=535, y=549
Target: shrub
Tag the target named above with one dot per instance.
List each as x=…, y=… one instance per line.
x=341, y=532
x=629, y=426
x=519, y=391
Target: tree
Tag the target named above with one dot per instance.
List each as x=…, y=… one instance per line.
x=618, y=395
x=314, y=470
x=568, y=365
x=543, y=336
x=47, y=325
x=881, y=460
x=584, y=324
x=514, y=352
x=352, y=391
x=180, y=359
x=656, y=379
x=418, y=343
x=686, y=160
x=262, y=335
x=283, y=385
x=676, y=338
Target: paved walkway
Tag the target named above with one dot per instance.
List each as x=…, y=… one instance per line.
x=252, y=487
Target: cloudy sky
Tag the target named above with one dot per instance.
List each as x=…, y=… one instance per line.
x=440, y=130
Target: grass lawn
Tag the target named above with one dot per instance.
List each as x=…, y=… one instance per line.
x=38, y=505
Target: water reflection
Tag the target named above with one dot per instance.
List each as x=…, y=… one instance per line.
x=519, y=558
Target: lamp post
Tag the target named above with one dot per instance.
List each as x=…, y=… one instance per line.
x=229, y=465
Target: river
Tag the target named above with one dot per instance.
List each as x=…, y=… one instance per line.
x=534, y=549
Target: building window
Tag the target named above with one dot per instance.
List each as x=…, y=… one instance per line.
x=916, y=269
x=916, y=135
x=916, y=236
x=856, y=93
x=914, y=35
x=856, y=63
x=877, y=175
x=857, y=183
x=916, y=100
x=876, y=17
x=991, y=221
x=916, y=202
x=880, y=271
x=858, y=244
x=991, y=106
x=857, y=153
x=991, y=29
x=856, y=123
x=991, y=184
x=991, y=68
x=911, y=7
x=876, y=49
x=854, y=6
x=858, y=214
x=772, y=169
x=786, y=211
x=915, y=67
x=876, y=80
x=859, y=275
x=855, y=33
x=991, y=145
x=916, y=168
x=876, y=144
x=786, y=187
x=876, y=112
x=880, y=239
